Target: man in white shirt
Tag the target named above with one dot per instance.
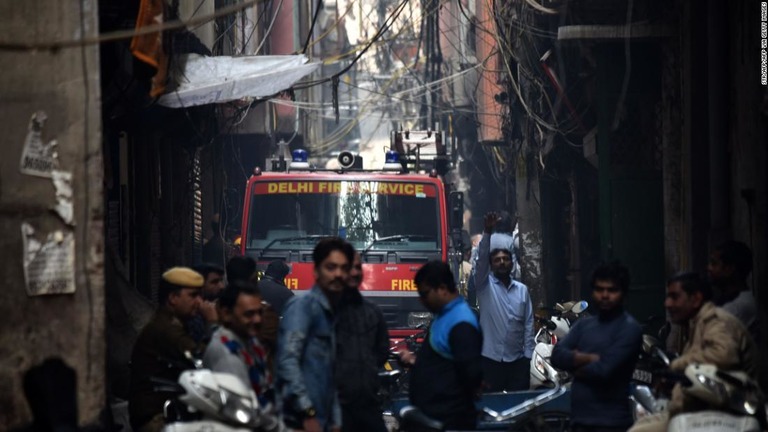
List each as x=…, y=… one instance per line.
x=729, y=266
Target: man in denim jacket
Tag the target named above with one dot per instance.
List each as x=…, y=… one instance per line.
x=307, y=344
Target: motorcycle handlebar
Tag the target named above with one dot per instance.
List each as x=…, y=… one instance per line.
x=675, y=376
x=548, y=324
x=662, y=355
x=165, y=386
x=190, y=361
x=406, y=341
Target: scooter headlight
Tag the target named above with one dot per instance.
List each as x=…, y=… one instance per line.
x=745, y=403
x=235, y=408
x=750, y=407
x=203, y=391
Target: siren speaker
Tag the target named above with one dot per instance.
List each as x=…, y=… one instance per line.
x=347, y=160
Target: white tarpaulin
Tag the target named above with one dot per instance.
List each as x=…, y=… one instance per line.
x=218, y=79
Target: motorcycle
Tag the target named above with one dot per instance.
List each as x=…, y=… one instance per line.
x=540, y=364
x=735, y=399
x=642, y=398
x=395, y=376
x=214, y=402
x=550, y=331
x=566, y=314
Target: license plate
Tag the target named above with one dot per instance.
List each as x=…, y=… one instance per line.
x=713, y=421
x=643, y=376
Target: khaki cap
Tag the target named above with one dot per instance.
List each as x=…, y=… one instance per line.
x=184, y=276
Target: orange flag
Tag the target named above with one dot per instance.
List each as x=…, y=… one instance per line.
x=149, y=47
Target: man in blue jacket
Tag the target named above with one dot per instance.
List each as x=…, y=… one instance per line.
x=601, y=352
x=307, y=344
x=446, y=375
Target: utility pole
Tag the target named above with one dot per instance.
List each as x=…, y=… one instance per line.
x=529, y=223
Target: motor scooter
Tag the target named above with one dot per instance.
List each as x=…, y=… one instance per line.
x=550, y=331
x=735, y=399
x=643, y=399
x=214, y=402
x=540, y=360
x=566, y=315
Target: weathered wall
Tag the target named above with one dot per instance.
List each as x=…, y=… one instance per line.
x=676, y=186
x=747, y=147
x=490, y=122
x=724, y=150
x=529, y=220
x=63, y=83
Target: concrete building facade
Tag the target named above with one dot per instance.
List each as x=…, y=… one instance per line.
x=52, y=303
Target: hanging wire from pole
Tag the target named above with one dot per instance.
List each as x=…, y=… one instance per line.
x=312, y=27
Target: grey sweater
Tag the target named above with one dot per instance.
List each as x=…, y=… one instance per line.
x=744, y=307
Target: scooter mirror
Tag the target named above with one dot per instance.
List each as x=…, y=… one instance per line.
x=662, y=355
x=649, y=343
x=579, y=307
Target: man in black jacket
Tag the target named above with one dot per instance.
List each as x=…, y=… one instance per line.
x=362, y=347
x=272, y=285
x=197, y=327
x=601, y=351
x=446, y=374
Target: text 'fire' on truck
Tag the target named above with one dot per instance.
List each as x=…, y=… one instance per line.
x=397, y=217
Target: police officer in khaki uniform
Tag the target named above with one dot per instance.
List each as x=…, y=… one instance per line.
x=163, y=341
x=714, y=337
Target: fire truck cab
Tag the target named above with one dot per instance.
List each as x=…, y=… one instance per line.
x=396, y=219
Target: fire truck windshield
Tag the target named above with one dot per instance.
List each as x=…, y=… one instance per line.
x=373, y=216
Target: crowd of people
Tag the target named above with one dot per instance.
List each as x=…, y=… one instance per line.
x=313, y=360
x=282, y=346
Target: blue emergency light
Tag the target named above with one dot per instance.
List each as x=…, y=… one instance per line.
x=299, y=159
x=299, y=155
x=392, y=160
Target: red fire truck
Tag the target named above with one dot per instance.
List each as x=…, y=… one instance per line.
x=397, y=217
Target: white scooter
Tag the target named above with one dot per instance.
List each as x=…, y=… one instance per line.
x=736, y=402
x=567, y=314
x=549, y=333
x=216, y=402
